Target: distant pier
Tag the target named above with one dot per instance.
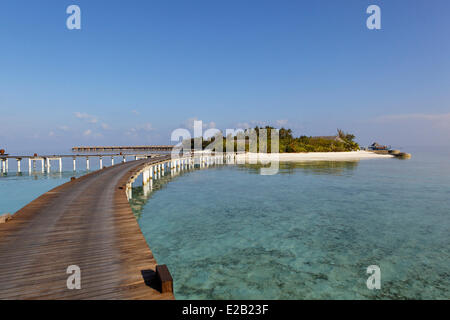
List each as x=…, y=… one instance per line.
x=122, y=148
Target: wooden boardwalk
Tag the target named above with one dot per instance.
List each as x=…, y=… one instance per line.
x=87, y=222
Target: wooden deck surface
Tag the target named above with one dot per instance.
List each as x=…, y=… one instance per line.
x=86, y=222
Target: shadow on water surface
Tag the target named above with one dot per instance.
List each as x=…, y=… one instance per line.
x=312, y=167
x=140, y=198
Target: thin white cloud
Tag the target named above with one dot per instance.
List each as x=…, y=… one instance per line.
x=439, y=121
x=90, y=119
x=140, y=129
x=243, y=125
x=86, y=117
x=251, y=124
x=146, y=127
x=281, y=123
x=92, y=134
x=211, y=125
x=189, y=124
x=63, y=128
x=416, y=116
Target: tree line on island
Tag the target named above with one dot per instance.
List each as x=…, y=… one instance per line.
x=341, y=142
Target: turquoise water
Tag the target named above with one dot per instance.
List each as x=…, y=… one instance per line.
x=18, y=189
x=309, y=232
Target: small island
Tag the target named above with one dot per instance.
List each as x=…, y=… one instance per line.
x=341, y=146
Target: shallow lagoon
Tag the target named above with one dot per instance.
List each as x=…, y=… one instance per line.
x=309, y=232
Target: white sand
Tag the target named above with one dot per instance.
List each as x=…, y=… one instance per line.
x=313, y=156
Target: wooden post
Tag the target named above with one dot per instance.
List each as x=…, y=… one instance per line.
x=87, y=163
x=112, y=161
x=5, y=217
x=129, y=190
x=74, y=164
x=164, y=278
x=144, y=177
x=146, y=189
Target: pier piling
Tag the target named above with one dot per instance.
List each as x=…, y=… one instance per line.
x=164, y=278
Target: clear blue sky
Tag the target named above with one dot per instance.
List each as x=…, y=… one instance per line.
x=139, y=69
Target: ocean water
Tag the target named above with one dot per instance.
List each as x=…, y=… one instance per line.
x=309, y=232
x=18, y=189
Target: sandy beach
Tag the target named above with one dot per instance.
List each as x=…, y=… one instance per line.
x=313, y=156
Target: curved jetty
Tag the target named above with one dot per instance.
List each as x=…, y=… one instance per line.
x=86, y=222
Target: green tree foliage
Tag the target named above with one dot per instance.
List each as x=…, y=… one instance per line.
x=289, y=144
x=341, y=142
